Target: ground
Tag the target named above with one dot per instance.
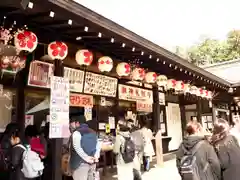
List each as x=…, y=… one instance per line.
x=169, y=171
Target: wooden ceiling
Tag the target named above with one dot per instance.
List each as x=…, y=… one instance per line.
x=54, y=28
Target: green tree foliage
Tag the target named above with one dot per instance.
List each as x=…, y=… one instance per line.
x=211, y=50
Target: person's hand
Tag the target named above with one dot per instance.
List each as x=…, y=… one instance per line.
x=96, y=158
x=91, y=160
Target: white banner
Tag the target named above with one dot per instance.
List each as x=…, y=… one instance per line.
x=59, y=108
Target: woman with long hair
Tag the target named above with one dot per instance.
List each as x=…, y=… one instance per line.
x=227, y=149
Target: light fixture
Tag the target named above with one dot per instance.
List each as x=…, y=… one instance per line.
x=123, y=45
x=185, y=71
x=70, y=22
x=51, y=14
x=175, y=67
x=170, y=65
x=86, y=29
x=150, y=56
x=181, y=69
x=157, y=59
x=99, y=35
x=4, y=17
x=112, y=40
x=194, y=75
x=201, y=78
x=142, y=53
x=78, y=38
x=133, y=49
x=164, y=62
x=30, y=5
x=197, y=76
x=15, y=22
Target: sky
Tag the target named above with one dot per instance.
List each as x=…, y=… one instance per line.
x=171, y=23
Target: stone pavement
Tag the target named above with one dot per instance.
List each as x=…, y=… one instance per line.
x=169, y=171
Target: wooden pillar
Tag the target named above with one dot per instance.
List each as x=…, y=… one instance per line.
x=199, y=110
x=157, y=125
x=183, y=114
x=57, y=143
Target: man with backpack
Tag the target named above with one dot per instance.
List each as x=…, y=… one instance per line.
x=84, y=150
x=124, y=148
x=196, y=158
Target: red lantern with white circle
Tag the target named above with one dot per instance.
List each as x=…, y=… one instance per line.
x=57, y=50
x=151, y=77
x=123, y=69
x=105, y=64
x=162, y=80
x=25, y=41
x=179, y=86
x=138, y=74
x=171, y=84
x=84, y=57
x=193, y=90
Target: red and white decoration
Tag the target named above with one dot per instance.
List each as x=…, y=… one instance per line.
x=200, y=92
x=151, y=77
x=171, y=84
x=5, y=35
x=138, y=74
x=193, y=90
x=123, y=69
x=57, y=50
x=25, y=41
x=105, y=64
x=84, y=57
x=186, y=88
x=179, y=86
x=162, y=80
x=14, y=63
x=209, y=95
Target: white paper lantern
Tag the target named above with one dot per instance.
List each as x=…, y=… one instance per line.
x=203, y=95
x=209, y=95
x=151, y=77
x=105, y=64
x=186, y=88
x=25, y=41
x=162, y=80
x=138, y=74
x=200, y=92
x=84, y=57
x=123, y=69
x=171, y=84
x=179, y=86
x=193, y=90
x=57, y=50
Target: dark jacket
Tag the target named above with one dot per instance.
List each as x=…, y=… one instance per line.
x=16, y=163
x=204, y=156
x=228, y=152
x=89, y=141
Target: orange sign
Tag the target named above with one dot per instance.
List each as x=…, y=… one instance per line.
x=80, y=100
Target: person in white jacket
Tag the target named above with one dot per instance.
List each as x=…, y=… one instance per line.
x=148, y=150
x=235, y=130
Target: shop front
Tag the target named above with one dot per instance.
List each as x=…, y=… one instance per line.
x=104, y=75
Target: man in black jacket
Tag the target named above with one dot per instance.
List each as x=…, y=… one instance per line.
x=206, y=158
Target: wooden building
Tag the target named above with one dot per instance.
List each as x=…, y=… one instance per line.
x=81, y=28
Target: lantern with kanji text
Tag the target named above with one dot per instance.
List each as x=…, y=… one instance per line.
x=84, y=57
x=138, y=74
x=123, y=69
x=162, y=80
x=151, y=77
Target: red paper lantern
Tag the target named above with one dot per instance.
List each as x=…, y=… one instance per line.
x=123, y=69
x=57, y=50
x=105, y=64
x=151, y=77
x=138, y=74
x=84, y=57
x=25, y=41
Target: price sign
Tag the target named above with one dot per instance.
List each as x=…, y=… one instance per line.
x=107, y=128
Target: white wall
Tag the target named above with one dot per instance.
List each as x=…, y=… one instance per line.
x=174, y=125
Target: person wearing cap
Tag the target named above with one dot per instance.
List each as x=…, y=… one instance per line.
x=85, y=149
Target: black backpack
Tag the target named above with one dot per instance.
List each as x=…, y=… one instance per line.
x=188, y=166
x=128, y=150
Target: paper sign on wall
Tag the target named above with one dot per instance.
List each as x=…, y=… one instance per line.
x=29, y=120
x=111, y=121
x=88, y=113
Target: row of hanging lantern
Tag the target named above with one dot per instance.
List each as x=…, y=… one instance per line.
x=123, y=69
x=25, y=40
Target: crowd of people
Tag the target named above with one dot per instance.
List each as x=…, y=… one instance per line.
x=210, y=156
x=26, y=156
